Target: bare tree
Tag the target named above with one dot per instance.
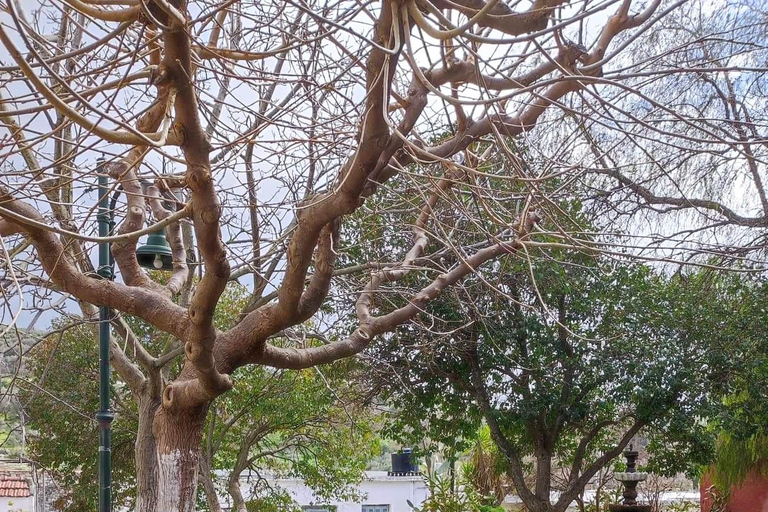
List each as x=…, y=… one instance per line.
x=250, y=130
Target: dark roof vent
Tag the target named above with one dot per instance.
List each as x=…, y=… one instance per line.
x=404, y=464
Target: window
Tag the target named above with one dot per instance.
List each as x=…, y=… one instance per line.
x=319, y=508
x=375, y=508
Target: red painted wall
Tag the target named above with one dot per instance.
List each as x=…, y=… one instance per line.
x=752, y=496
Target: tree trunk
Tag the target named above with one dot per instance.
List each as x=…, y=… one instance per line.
x=207, y=482
x=543, y=478
x=237, y=495
x=146, y=455
x=177, y=437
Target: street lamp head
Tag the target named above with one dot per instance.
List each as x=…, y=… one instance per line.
x=155, y=254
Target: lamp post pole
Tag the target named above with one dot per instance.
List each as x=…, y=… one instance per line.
x=105, y=415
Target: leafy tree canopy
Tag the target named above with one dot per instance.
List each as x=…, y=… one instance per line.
x=568, y=354
x=295, y=423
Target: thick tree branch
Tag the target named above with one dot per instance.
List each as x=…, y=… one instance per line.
x=304, y=358
x=148, y=305
x=320, y=282
x=577, y=485
x=246, y=341
x=502, y=18
x=202, y=382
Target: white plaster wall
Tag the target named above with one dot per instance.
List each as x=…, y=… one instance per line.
x=379, y=489
x=17, y=504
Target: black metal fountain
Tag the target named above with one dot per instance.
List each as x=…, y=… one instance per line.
x=630, y=478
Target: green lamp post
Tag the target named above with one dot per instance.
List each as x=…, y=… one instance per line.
x=105, y=416
x=156, y=254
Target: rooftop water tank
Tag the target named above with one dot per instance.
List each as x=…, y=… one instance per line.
x=404, y=463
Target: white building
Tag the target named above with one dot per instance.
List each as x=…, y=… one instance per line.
x=380, y=491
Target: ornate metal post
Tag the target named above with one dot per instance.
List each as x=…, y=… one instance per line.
x=105, y=415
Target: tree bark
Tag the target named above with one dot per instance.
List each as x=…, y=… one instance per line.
x=206, y=480
x=147, y=489
x=178, y=437
x=238, y=501
x=543, y=478
x=233, y=485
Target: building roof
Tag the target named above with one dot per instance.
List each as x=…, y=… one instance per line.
x=370, y=476
x=385, y=476
x=14, y=480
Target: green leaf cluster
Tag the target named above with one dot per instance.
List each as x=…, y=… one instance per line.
x=304, y=424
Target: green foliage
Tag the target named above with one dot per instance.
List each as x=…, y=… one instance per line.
x=442, y=498
x=624, y=352
x=740, y=403
x=276, y=500
x=463, y=497
x=737, y=458
x=718, y=499
x=293, y=423
x=634, y=340
x=484, y=467
x=631, y=339
x=682, y=506
x=666, y=348
x=606, y=497
x=61, y=406
x=305, y=424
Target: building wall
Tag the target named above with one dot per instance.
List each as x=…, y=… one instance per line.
x=379, y=489
x=16, y=504
x=752, y=496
